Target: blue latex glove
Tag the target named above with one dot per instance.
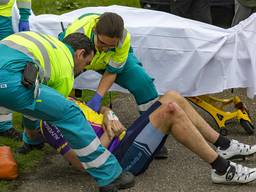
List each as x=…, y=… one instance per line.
x=24, y=26
x=95, y=102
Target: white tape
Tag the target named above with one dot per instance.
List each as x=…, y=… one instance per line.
x=112, y=116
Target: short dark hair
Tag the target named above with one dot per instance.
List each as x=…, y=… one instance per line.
x=79, y=41
x=111, y=25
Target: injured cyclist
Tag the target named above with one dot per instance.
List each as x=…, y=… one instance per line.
x=136, y=146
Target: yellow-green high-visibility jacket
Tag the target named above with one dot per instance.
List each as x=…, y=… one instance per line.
x=6, y=7
x=112, y=60
x=54, y=58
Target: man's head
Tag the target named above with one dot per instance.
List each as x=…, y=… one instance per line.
x=84, y=51
x=108, y=31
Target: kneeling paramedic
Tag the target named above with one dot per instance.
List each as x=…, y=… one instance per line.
x=36, y=74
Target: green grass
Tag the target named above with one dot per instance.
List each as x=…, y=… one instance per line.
x=25, y=162
x=4, y=185
x=62, y=6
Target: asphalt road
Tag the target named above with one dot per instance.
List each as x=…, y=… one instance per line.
x=181, y=172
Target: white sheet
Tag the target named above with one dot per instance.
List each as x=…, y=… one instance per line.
x=183, y=55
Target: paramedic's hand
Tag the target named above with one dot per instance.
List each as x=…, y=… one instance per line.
x=95, y=102
x=24, y=26
x=112, y=125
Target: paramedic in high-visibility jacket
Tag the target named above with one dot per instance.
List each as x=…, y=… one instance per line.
x=114, y=58
x=6, y=29
x=36, y=74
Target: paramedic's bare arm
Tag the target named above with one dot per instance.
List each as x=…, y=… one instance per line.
x=106, y=82
x=72, y=158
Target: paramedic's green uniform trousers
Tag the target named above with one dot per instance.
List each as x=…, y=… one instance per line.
x=51, y=106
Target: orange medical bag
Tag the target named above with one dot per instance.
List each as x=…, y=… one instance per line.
x=8, y=166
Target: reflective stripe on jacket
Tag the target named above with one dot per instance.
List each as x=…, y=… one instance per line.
x=6, y=6
x=51, y=55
